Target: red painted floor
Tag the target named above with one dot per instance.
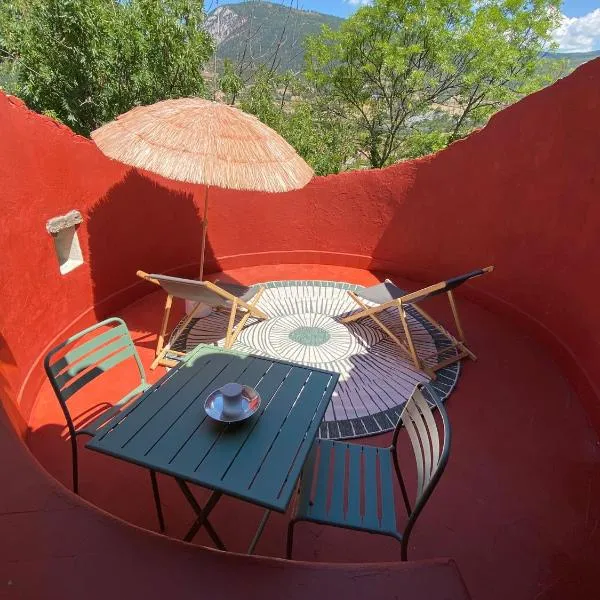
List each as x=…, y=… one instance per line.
x=518, y=507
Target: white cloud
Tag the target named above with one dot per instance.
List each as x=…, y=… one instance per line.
x=359, y=2
x=579, y=34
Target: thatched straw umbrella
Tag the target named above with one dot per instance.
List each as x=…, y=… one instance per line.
x=199, y=141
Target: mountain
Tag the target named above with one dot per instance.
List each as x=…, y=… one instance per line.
x=263, y=32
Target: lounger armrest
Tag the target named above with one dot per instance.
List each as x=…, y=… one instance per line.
x=143, y=275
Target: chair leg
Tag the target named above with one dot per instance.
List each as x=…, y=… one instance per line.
x=404, y=549
x=238, y=329
x=74, y=463
x=443, y=330
x=251, y=311
x=165, y=322
x=370, y=312
x=408, y=336
x=401, y=481
x=165, y=350
x=232, y=314
x=251, y=306
x=290, y=540
x=157, y=504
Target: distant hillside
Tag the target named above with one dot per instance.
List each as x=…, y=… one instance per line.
x=574, y=58
x=256, y=30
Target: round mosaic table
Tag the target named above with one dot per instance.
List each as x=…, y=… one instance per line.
x=376, y=375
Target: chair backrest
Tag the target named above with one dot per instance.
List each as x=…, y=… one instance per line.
x=189, y=289
x=443, y=286
x=431, y=447
x=454, y=282
x=85, y=356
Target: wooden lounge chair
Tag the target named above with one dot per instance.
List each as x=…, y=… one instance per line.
x=219, y=295
x=387, y=295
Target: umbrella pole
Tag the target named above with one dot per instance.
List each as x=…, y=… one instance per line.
x=204, y=228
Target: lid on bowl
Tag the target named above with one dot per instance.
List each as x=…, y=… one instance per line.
x=232, y=391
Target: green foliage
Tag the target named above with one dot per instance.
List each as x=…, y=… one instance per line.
x=87, y=62
x=396, y=66
x=325, y=144
x=280, y=102
x=260, y=98
x=230, y=83
x=7, y=63
x=420, y=143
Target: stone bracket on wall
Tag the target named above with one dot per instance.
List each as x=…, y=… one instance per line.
x=58, y=224
x=66, y=243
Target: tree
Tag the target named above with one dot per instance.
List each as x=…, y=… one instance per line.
x=414, y=75
x=8, y=11
x=326, y=144
x=230, y=83
x=281, y=102
x=86, y=62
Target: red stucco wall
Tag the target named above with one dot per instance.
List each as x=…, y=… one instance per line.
x=521, y=194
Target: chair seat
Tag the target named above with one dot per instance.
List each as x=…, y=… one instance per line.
x=345, y=484
x=381, y=293
x=199, y=291
x=239, y=291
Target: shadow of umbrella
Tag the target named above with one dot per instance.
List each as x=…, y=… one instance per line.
x=141, y=224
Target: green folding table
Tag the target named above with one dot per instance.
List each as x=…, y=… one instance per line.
x=258, y=460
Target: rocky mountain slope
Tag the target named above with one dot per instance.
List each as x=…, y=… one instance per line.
x=263, y=32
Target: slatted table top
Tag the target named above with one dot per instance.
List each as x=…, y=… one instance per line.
x=259, y=460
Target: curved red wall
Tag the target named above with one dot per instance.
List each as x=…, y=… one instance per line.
x=522, y=194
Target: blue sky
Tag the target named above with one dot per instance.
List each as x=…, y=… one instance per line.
x=579, y=30
x=579, y=8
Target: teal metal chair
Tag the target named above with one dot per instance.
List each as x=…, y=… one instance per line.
x=79, y=360
x=351, y=485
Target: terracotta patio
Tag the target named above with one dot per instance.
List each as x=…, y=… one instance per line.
x=519, y=436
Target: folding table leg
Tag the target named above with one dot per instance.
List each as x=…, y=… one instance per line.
x=157, y=504
x=259, y=531
x=202, y=520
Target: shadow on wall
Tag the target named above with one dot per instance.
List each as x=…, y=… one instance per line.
x=520, y=193
x=446, y=223
x=141, y=224
x=7, y=393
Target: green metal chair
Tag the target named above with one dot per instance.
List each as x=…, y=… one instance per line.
x=79, y=360
x=361, y=496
